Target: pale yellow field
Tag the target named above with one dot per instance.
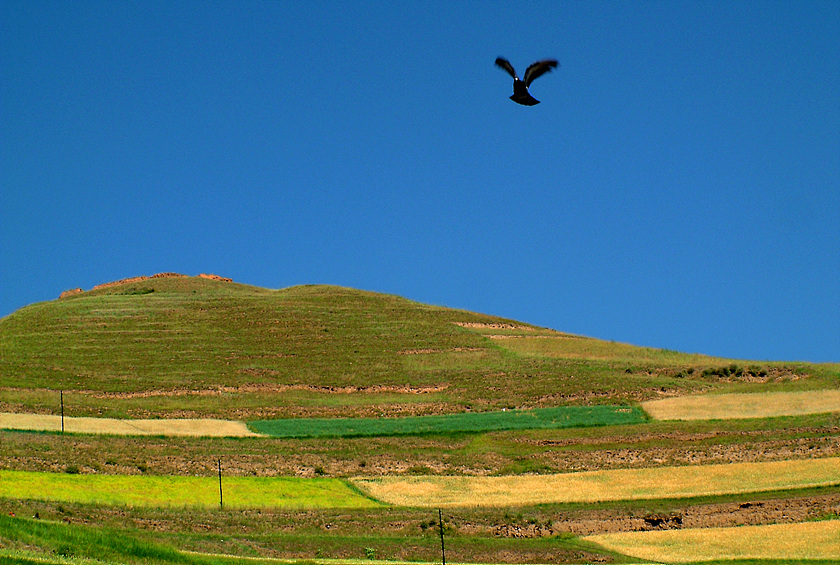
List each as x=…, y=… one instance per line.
x=810, y=540
x=211, y=428
x=596, y=486
x=565, y=346
x=756, y=405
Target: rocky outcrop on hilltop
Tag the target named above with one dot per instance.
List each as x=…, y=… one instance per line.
x=73, y=292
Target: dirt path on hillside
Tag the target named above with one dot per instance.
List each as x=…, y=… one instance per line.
x=111, y=426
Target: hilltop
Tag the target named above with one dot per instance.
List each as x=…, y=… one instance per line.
x=174, y=345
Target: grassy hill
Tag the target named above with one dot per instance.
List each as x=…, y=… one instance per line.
x=191, y=346
x=179, y=347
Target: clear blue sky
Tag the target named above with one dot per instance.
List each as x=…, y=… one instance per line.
x=678, y=186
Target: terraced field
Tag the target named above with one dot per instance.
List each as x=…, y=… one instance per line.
x=755, y=405
x=344, y=419
x=600, y=486
x=805, y=542
x=169, y=491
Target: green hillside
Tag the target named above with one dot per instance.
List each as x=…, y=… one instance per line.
x=357, y=388
x=191, y=346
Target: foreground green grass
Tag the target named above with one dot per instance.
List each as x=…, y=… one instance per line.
x=135, y=490
x=26, y=541
x=40, y=541
x=545, y=418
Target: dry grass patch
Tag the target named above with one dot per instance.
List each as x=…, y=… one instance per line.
x=598, y=486
x=110, y=426
x=811, y=540
x=755, y=405
x=566, y=346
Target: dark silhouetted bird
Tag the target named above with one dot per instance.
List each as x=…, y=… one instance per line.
x=520, y=87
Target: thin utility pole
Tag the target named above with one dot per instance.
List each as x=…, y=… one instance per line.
x=62, y=411
x=221, y=500
x=442, y=548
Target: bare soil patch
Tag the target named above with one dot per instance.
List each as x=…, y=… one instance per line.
x=429, y=350
x=257, y=388
x=509, y=523
x=492, y=326
x=142, y=278
x=680, y=448
x=747, y=513
x=138, y=279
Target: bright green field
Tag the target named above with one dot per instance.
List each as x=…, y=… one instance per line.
x=138, y=490
x=541, y=418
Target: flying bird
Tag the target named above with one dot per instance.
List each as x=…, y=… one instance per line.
x=520, y=87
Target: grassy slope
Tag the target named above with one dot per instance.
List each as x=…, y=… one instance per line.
x=196, y=347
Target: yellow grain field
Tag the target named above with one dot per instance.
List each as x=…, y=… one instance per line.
x=196, y=428
x=565, y=346
x=756, y=405
x=810, y=540
x=596, y=486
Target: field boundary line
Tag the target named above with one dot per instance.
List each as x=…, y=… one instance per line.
x=330, y=560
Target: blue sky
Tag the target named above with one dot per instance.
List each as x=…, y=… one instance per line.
x=678, y=186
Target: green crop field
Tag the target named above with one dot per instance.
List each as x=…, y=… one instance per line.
x=544, y=418
x=348, y=384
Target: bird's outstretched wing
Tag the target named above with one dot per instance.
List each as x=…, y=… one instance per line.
x=536, y=70
x=505, y=64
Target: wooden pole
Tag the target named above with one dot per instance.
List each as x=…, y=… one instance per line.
x=221, y=500
x=442, y=548
x=62, y=411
